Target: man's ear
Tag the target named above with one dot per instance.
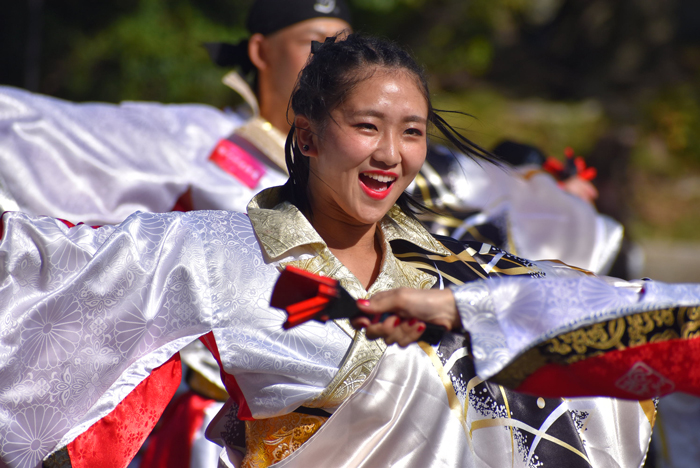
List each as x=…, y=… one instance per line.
x=306, y=137
x=256, y=51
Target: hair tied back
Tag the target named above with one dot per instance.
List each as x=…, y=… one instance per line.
x=316, y=46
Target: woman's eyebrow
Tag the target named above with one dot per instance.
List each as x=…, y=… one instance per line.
x=379, y=114
x=367, y=113
x=415, y=118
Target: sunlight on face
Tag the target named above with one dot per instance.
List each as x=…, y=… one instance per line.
x=371, y=150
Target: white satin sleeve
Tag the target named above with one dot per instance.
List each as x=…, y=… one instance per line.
x=507, y=316
x=97, y=163
x=87, y=313
x=277, y=370
x=544, y=222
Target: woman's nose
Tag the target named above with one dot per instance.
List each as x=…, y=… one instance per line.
x=388, y=151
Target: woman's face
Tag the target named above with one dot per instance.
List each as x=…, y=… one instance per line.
x=371, y=149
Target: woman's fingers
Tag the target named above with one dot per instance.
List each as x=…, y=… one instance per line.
x=394, y=330
x=360, y=322
x=409, y=309
x=387, y=301
x=434, y=305
x=382, y=329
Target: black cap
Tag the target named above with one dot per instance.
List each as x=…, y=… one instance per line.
x=268, y=16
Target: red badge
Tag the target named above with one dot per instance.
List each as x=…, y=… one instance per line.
x=238, y=162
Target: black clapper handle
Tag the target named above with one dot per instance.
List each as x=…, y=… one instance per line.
x=432, y=334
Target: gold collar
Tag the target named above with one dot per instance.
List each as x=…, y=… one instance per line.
x=265, y=137
x=281, y=227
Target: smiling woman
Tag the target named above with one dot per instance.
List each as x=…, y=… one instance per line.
x=376, y=142
x=362, y=110
x=361, y=162
x=109, y=308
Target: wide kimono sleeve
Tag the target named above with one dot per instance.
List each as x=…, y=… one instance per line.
x=97, y=163
x=538, y=219
x=584, y=336
x=92, y=317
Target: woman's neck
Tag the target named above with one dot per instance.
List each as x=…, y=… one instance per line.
x=359, y=248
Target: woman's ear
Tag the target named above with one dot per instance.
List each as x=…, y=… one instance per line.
x=256, y=51
x=306, y=137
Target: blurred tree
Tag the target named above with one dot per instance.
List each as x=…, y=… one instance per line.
x=620, y=78
x=127, y=49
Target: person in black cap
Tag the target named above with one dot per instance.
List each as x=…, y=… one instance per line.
x=282, y=32
x=269, y=62
x=279, y=45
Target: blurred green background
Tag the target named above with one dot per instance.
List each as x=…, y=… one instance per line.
x=617, y=80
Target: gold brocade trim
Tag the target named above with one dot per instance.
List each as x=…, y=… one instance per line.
x=280, y=226
x=58, y=459
x=269, y=441
x=266, y=138
x=601, y=336
x=359, y=363
x=204, y=387
x=398, y=225
x=597, y=339
x=523, y=366
x=627, y=332
x=689, y=320
x=649, y=409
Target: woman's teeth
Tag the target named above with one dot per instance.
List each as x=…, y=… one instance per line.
x=380, y=178
x=377, y=182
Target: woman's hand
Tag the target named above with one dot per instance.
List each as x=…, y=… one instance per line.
x=410, y=309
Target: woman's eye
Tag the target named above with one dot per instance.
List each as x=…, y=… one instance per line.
x=414, y=132
x=367, y=126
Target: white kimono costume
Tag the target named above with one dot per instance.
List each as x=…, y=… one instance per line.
x=91, y=315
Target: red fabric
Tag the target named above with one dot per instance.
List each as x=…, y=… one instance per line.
x=113, y=441
x=184, y=203
x=638, y=373
x=238, y=162
x=171, y=445
x=229, y=381
x=66, y=222
x=573, y=166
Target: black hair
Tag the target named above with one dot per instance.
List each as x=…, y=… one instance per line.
x=331, y=73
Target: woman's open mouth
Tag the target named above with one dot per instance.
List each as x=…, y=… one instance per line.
x=377, y=184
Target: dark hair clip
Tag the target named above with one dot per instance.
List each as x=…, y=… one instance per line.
x=315, y=45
